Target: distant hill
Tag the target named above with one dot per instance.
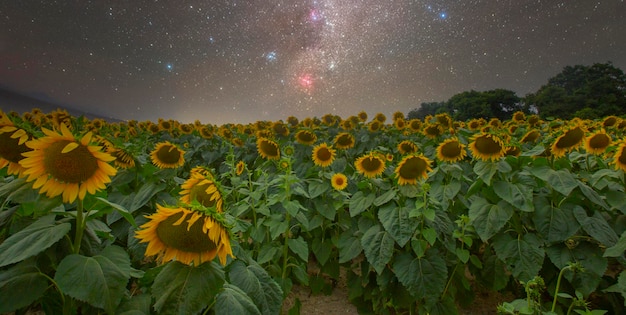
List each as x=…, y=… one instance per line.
x=12, y=101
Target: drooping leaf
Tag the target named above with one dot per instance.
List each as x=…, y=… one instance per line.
x=317, y=187
x=589, y=255
x=120, y=210
x=232, y=300
x=485, y=170
x=384, y=198
x=524, y=255
x=444, y=192
x=556, y=224
x=300, y=247
x=99, y=280
x=618, y=249
x=32, y=240
x=349, y=246
x=562, y=180
x=182, y=289
x=20, y=286
x=322, y=248
x=592, y=195
x=424, y=277
x=258, y=285
x=378, y=247
x=494, y=273
x=360, y=202
x=596, y=226
x=135, y=305
x=517, y=194
x=488, y=218
x=396, y=221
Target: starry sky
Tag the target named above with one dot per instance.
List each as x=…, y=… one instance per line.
x=236, y=61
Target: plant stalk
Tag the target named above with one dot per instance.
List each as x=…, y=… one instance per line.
x=80, y=226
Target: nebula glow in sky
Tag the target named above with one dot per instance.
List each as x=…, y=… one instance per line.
x=242, y=61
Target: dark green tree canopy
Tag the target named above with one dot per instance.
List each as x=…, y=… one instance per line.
x=582, y=91
x=498, y=103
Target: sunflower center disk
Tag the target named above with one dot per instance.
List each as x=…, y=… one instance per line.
x=599, y=141
x=75, y=166
x=324, y=155
x=10, y=149
x=177, y=236
x=198, y=192
x=168, y=155
x=412, y=168
x=451, y=150
x=571, y=138
x=486, y=145
x=371, y=164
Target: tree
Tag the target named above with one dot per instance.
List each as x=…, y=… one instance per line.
x=425, y=109
x=578, y=89
x=498, y=103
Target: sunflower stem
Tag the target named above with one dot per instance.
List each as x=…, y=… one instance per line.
x=80, y=226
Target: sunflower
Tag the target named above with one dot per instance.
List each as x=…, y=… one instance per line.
x=380, y=117
x=362, y=116
x=288, y=150
x=167, y=155
x=571, y=139
x=285, y=164
x=444, y=120
x=475, y=124
x=370, y=165
x=415, y=125
x=412, y=168
x=206, y=132
x=202, y=189
x=279, y=128
x=518, y=117
x=61, y=164
x=530, y=136
x=268, y=149
x=123, y=159
x=487, y=147
x=597, y=142
x=374, y=125
x=12, y=145
x=339, y=181
x=399, y=123
x=451, y=150
x=202, y=170
x=432, y=130
x=513, y=151
x=344, y=140
x=347, y=125
x=619, y=159
x=323, y=155
x=306, y=137
x=185, y=235
x=240, y=167
x=292, y=120
x=407, y=147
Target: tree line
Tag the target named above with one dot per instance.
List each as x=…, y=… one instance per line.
x=586, y=92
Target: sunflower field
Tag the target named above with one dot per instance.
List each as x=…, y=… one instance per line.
x=415, y=216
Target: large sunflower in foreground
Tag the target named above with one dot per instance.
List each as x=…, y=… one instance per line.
x=186, y=235
x=619, y=159
x=202, y=189
x=370, y=165
x=268, y=149
x=487, y=147
x=412, y=168
x=12, y=145
x=167, y=155
x=451, y=150
x=323, y=155
x=339, y=181
x=598, y=142
x=62, y=165
x=571, y=139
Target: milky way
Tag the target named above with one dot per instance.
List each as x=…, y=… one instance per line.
x=242, y=61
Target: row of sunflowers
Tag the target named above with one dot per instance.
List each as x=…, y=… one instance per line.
x=142, y=217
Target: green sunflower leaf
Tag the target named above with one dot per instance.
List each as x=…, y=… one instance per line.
x=488, y=218
x=378, y=247
x=524, y=255
x=99, y=280
x=424, y=277
x=183, y=289
x=20, y=286
x=258, y=285
x=233, y=300
x=32, y=240
x=396, y=221
x=360, y=202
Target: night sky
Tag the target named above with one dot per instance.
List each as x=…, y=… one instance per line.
x=241, y=61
